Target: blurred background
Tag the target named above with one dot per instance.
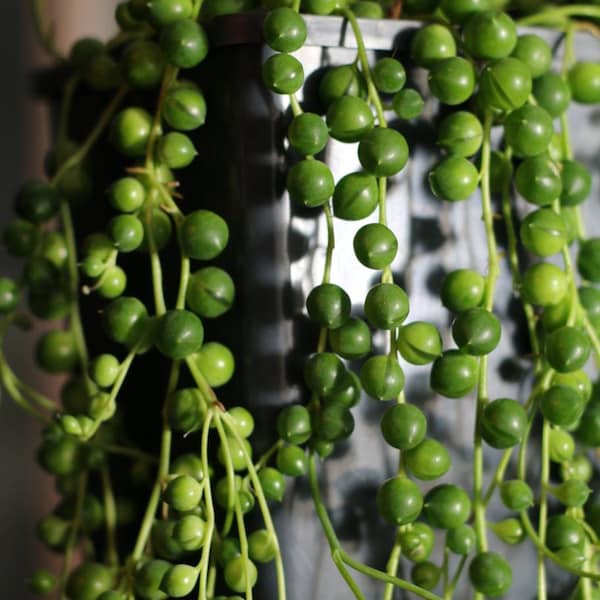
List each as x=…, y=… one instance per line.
x=25, y=492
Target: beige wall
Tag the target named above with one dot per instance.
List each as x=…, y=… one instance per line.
x=78, y=18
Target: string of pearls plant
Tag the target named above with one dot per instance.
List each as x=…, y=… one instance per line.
x=504, y=135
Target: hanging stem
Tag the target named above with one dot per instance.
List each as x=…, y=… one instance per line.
x=381, y=576
x=513, y=259
x=210, y=511
x=364, y=63
x=262, y=502
x=337, y=551
x=163, y=470
x=392, y=568
x=110, y=517
x=328, y=530
x=102, y=123
x=231, y=491
x=482, y=393
x=330, y=243
x=558, y=15
x=543, y=549
x=543, y=518
x=73, y=532
x=454, y=582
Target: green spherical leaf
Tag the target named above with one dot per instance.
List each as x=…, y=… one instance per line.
x=383, y=152
x=283, y=74
x=179, y=334
x=490, y=574
x=429, y=460
x=446, y=506
x=184, y=43
x=403, y=426
x=399, y=501
x=203, y=235
x=503, y=423
x=310, y=183
x=284, y=30
x=454, y=374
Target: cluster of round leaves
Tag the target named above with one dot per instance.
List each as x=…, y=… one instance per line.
x=139, y=224
x=44, y=282
x=382, y=153
x=184, y=533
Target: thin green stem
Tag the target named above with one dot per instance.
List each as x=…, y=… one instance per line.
x=132, y=453
x=364, y=62
x=83, y=150
x=295, y=105
x=148, y=518
x=17, y=388
x=262, y=503
x=210, y=510
x=183, y=282
x=498, y=476
x=163, y=470
x=488, y=302
x=17, y=396
x=457, y=574
x=197, y=8
x=513, y=259
x=330, y=242
x=160, y=305
x=212, y=579
x=586, y=584
x=544, y=381
x=567, y=148
x=381, y=576
x=116, y=388
x=581, y=235
x=201, y=382
x=543, y=508
x=35, y=396
x=558, y=15
x=392, y=567
x=266, y=457
x=543, y=549
x=231, y=491
x=75, y=313
x=338, y=561
x=592, y=334
x=445, y=568
x=168, y=205
x=65, y=110
x=488, y=216
x=569, y=57
x=336, y=547
x=382, y=185
x=169, y=76
x=334, y=544
x=243, y=537
x=110, y=517
x=570, y=273
x=73, y=532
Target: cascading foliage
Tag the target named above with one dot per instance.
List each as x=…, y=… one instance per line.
x=205, y=521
